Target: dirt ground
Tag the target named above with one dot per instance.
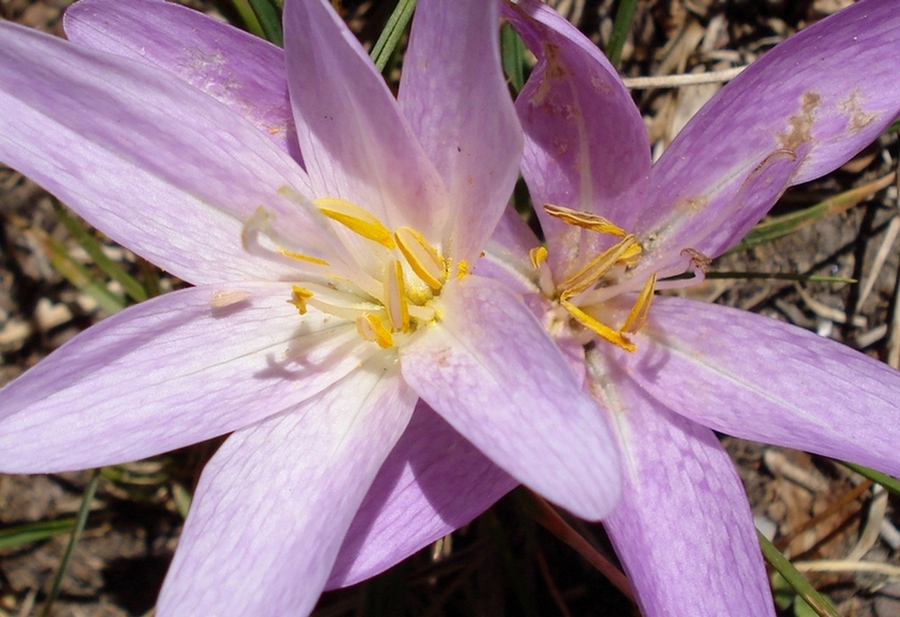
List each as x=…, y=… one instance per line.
x=834, y=525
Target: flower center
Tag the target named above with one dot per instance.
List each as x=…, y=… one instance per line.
x=577, y=293
x=386, y=282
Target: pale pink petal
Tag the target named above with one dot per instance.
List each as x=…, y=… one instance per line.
x=454, y=95
x=586, y=144
x=683, y=528
x=164, y=170
x=275, y=501
x=506, y=255
x=820, y=97
x=238, y=69
x=169, y=372
x=491, y=371
x=355, y=142
x=433, y=482
x=757, y=378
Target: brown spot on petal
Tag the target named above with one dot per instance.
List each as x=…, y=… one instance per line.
x=859, y=119
x=800, y=124
x=554, y=70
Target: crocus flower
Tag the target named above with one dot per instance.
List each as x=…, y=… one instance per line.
x=670, y=371
x=330, y=232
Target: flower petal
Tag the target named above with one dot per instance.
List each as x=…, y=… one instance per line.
x=506, y=258
x=491, y=371
x=169, y=372
x=821, y=97
x=356, y=144
x=152, y=162
x=452, y=69
x=273, y=504
x=585, y=140
x=238, y=69
x=756, y=378
x=433, y=482
x=683, y=528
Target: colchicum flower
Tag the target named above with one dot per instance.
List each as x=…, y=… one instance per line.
x=670, y=371
x=330, y=232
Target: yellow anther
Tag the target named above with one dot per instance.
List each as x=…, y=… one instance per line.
x=302, y=257
x=602, y=330
x=462, y=268
x=423, y=258
x=299, y=298
x=590, y=274
x=537, y=255
x=586, y=220
x=637, y=316
x=371, y=328
x=395, y=297
x=356, y=219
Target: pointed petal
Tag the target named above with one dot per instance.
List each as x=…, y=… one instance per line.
x=683, y=528
x=454, y=95
x=756, y=378
x=356, y=144
x=152, y=162
x=492, y=372
x=433, y=482
x=820, y=97
x=275, y=501
x=236, y=68
x=170, y=372
x=585, y=140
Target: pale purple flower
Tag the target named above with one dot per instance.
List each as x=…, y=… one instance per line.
x=332, y=291
x=683, y=528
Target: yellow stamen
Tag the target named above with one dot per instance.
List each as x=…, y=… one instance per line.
x=302, y=257
x=588, y=276
x=423, y=258
x=356, y=219
x=603, y=331
x=586, y=220
x=299, y=298
x=462, y=268
x=637, y=316
x=537, y=255
x=395, y=297
x=371, y=328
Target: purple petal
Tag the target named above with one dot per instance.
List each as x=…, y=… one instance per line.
x=683, y=528
x=756, y=378
x=356, y=144
x=433, y=482
x=819, y=97
x=491, y=371
x=275, y=501
x=586, y=143
x=238, y=69
x=152, y=162
x=170, y=372
x=506, y=255
x=455, y=98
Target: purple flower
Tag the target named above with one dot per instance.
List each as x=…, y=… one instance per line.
x=330, y=232
x=670, y=374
